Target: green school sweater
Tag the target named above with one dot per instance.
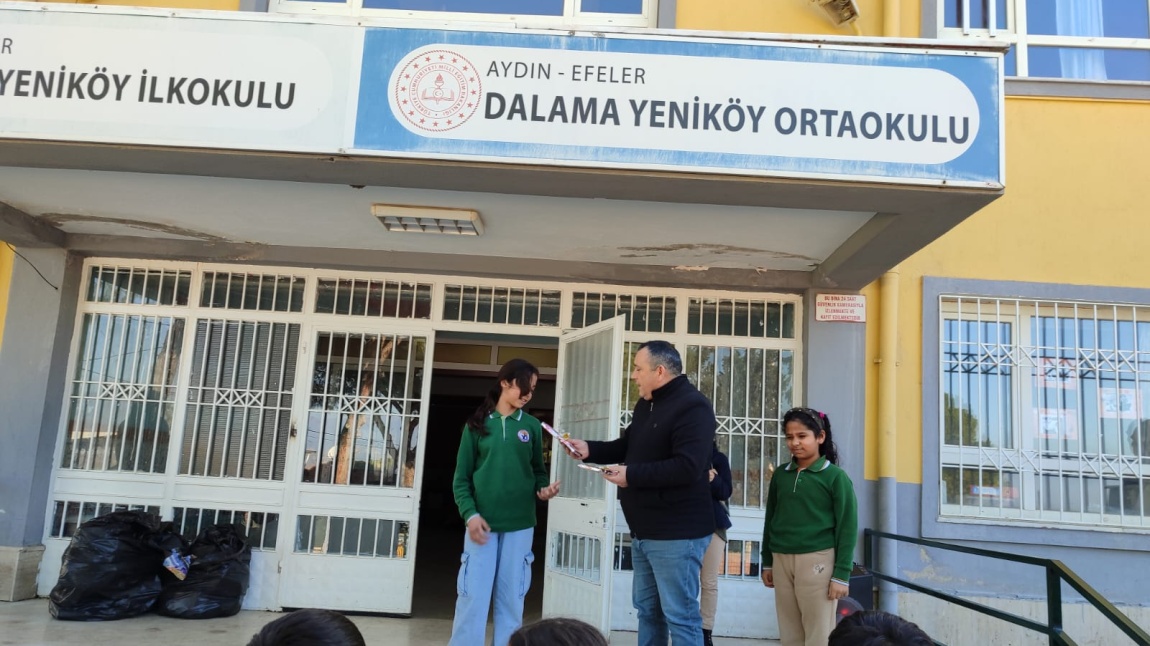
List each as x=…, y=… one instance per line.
x=809, y=510
x=497, y=475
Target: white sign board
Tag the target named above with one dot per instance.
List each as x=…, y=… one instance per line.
x=175, y=81
x=841, y=308
x=626, y=101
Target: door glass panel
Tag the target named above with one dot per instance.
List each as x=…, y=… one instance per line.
x=748, y=387
x=123, y=393
x=239, y=399
x=363, y=418
x=338, y=535
x=584, y=412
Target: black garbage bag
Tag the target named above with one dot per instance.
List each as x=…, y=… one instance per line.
x=111, y=569
x=217, y=576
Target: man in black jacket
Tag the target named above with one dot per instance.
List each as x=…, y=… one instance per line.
x=663, y=457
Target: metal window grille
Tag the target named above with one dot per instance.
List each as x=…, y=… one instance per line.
x=644, y=313
x=239, y=399
x=577, y=556
x=739, y=318
x=265, y=293
x=365, y=410
x=741, y=558
x=503, y=305
x=259, y=527
x=68, y=515
x=750, y=389
x=137, y=286
x=374, y=298
x=370, y=537
x=1044, y=411
x=123, y=393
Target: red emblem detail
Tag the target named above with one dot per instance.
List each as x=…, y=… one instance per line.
x=436, y=91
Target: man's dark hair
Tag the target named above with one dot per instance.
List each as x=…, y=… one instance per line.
x=558, y=631
x=877, y=628
x=663, y=354
x=309, y=627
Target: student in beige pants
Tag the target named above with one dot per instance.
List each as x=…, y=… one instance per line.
x=721, y=486
x=810, y=531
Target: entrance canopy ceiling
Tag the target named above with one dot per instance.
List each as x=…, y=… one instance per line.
x=656, y=158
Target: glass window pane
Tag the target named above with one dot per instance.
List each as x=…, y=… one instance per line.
x=1089, y=64
x=978, y=11
x=1088, y=18
x=514, y=7
x=631, y=7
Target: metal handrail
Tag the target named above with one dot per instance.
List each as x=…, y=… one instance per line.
x=1056, y=574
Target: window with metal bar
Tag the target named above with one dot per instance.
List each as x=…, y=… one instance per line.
x=577, y=556
x=365, y=409
x=741, y=318
x=1094, y=40
x=368, y=537
x=123, y=393
x=502, y=305
x=259, y=527
x=644, y=313
x=741, y=558
x=750, y=389
x=138, y=286
x=1045, y=411
x=239, y=399
x=265, y=293
x=374, y=298
x=68, y=515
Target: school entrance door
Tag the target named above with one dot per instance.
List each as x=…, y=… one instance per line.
x=580, y=526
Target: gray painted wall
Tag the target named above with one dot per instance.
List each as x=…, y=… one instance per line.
x=33, y=360
x=835, y=361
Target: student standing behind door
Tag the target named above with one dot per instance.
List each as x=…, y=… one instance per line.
x=721, y=487
x=498, y=475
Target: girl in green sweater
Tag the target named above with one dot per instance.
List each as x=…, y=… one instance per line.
x=498, y=475
x=810, y=531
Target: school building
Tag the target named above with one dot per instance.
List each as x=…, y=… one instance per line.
x=263, y=257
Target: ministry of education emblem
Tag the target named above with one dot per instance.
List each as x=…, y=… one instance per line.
x=436, y=90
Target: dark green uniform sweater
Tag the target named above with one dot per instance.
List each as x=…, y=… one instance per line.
x=809, y=510
x=497, y=475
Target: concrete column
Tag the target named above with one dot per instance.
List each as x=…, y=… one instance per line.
x=33, y=360
x=835, y=383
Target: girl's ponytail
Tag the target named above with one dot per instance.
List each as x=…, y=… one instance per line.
x=828, y=447
x=478, y=420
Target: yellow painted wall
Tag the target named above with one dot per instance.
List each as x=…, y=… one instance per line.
x=6, y=258
x=791, y=16
x=1074, y=211
x=218, y=5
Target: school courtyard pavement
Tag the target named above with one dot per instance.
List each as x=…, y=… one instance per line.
x=27, y=623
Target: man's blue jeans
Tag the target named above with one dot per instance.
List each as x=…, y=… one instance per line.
x=665, y=590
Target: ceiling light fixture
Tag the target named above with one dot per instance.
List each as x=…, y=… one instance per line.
x=840, y=12
x=428, y=219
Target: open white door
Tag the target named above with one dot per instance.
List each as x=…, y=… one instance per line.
x=581, y=520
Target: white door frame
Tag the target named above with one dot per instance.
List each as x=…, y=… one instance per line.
x=386, y=581
x=581, y=528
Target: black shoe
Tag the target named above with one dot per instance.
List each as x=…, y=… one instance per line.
x=707, y=638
